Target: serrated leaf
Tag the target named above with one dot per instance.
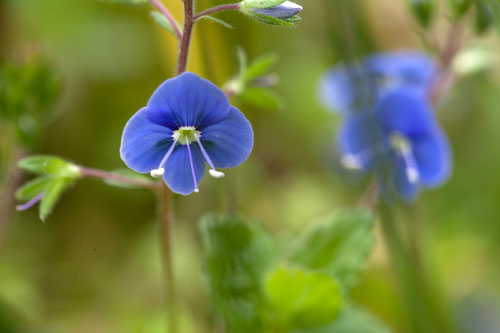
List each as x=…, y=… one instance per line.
x=262, y=98
x=163, y=22
x=260, y=66
x=129, y=174
x=33, y=188
x=52, y=193
x=422, y=10
x=302, y=299
x=338, y=245
x=235, y=257
x=216, y=20
x=352, y=319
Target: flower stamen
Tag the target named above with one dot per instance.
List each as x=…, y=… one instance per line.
x=158, y=172
x=196, y=190
x=214, y=173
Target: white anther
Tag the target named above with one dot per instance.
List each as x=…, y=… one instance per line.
x=216, y=174
x=412, y=175
x=157, y=173
x=350, y=161
x=196, y=190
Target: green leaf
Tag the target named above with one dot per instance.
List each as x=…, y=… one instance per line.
x=40, y=164
x=352, y=319
x=260, y=66
x=302, y=299
x=485, y=15
x=260, y=3
x=460, y=7
x=422, y=10
x=338, y=245
x=163, y=22
x=216, y=20
x=129, y=174
x=33, y=188
x=52, y=193
x=235, y=257
x=288, y=22
x=262, y=98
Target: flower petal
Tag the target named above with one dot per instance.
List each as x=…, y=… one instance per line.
x=405, y=67
x=405, y=189
x=178, y=174
x=361, y=137
x=433, y=157
x=187, y=100
x=144, y=143
x=404, y=111
x=229, y=142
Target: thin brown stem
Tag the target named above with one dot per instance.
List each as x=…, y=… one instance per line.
x=217, y=9
x=169, y=17
x=95, y=173
x=186, y=36
x=165, y=215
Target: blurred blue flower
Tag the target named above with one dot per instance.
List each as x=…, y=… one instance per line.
x=357, y=86
x=188, y=121
x=284, y=10
x=400, y=141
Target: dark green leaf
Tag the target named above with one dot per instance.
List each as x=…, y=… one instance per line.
x=302, y=299
x=33, y=188
x=236, y=255
x=262, y=98
x=163, y=22
x=216, y=20
x=460, y=7
x=52, y=193
x=422, y=9
x=485, y=15
x=339, y=246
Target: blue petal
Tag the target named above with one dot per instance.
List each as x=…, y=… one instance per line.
x=187, y=100
x=144, y=143
x=178, y=175
x=360, y=135
x=433, y=157
x=404, y=111
x=406, y=67
x=229, y=142
x=282, y=11
x=404, y=189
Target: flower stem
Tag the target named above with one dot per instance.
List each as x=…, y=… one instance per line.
x=165, y=215
x=216, y=9
x=95, y=173
x=186, y=36
x=168, y=16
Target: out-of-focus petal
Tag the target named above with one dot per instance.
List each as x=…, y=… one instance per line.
x=433, y=157
x=229, y=142
x=187, y=100
x=144, y=143
x=404, y=111
x=405, y=189
x=178, y=174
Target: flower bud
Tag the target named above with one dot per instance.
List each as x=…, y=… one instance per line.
x=282, y=11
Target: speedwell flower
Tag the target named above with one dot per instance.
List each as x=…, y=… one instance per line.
x=358, y=85
x=284, y=10
x=188, y=121
x=400, y=141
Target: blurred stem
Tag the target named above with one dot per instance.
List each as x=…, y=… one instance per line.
x=423, y=307
x=95, y=173
x=216, y=9
x=185, y=41
x=169, y=17
x=166, y=223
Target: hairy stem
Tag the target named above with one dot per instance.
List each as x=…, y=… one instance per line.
x=216, y=9
x=165, y=215
x=186, y=36
x=168, y=16
x=101, y=174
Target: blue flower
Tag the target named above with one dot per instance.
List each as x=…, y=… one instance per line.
x=400, y=141
x=358, y=85
x=188, y=121
x=284, y=10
